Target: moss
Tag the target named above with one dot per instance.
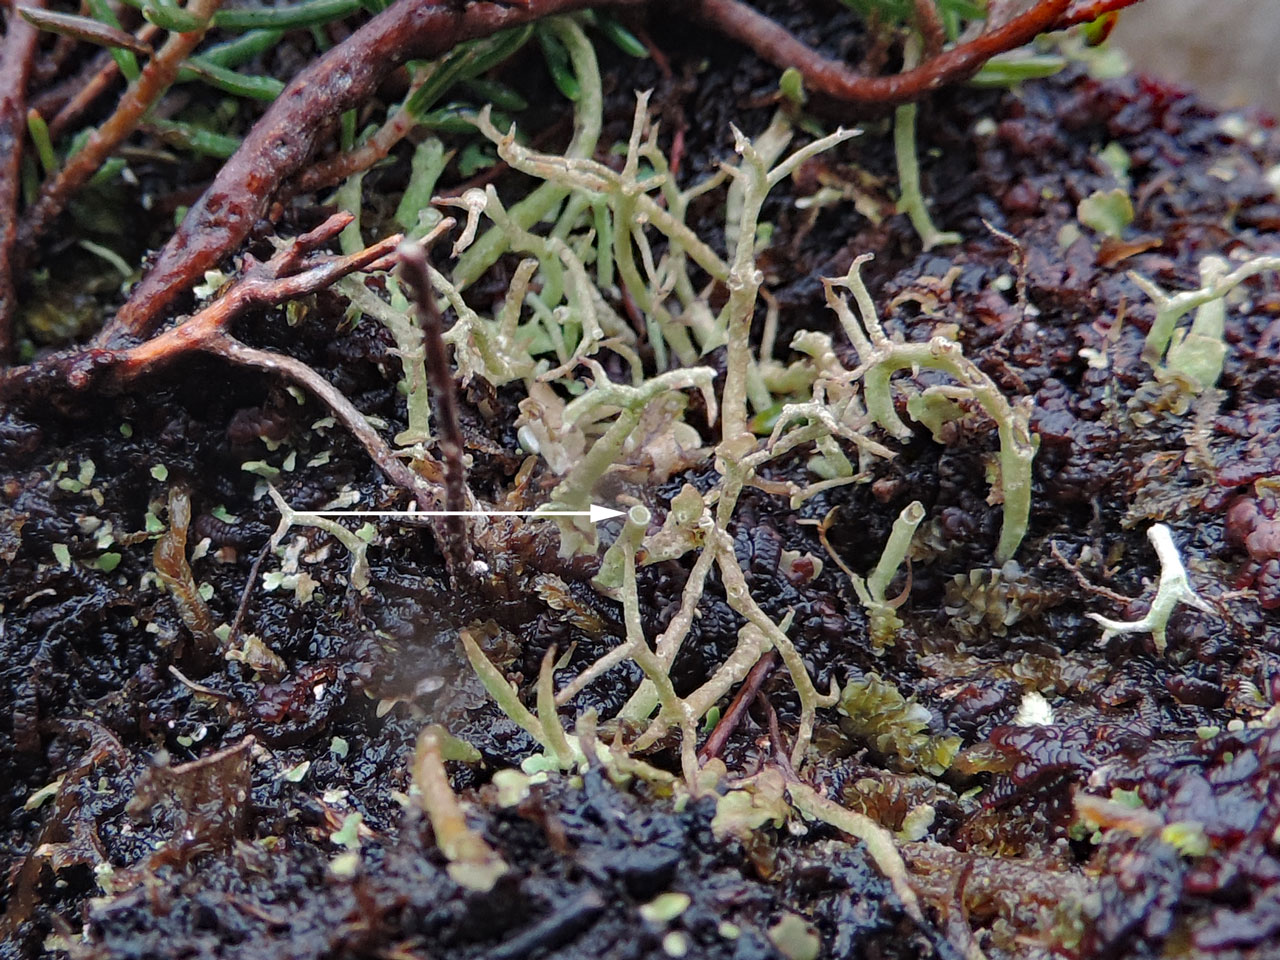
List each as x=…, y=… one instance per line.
x=876, y=712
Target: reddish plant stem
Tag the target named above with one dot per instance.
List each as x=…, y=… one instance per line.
x=286, y=276
x=156, y=76
x=932, y=32
x=774, y=43
x=738, y=707
x=93, y=87
x=16, y=58
x=1085, y=11
x=281, y=143
x=325, y=173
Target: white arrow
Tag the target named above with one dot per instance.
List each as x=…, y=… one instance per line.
x=596, y=514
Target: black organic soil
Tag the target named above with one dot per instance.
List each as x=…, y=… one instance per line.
x=105, y=693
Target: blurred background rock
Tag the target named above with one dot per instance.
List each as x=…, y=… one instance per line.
x=1229, y=50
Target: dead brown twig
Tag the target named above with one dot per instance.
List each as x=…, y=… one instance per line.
x=291, y=273
x=732, y=717
x=16, y=58
x=415, y=271
x=288, y=275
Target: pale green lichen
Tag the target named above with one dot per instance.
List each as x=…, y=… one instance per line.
x=871, y=591
x=1198, y=355
x=911, y=201
x=880, y=357
x=1107, y=212
x=357, y=546
x=473, y=864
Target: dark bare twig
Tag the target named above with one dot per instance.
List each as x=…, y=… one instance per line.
x=288, y=275
x=738, y=707
x=155, y=79
x=415, y=271
x=16, y=59
x=1084, y=582
x=781, y=755
x=246, y=595
x=292, y=273
x=52, y=98
x=49, y=63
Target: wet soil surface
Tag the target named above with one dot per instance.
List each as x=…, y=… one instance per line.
x=159, y=801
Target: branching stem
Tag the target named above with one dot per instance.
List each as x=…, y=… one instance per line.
x=161, y=70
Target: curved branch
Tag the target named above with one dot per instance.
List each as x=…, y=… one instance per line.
x=773, y=42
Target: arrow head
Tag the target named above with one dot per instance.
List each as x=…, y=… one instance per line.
x=599, y=513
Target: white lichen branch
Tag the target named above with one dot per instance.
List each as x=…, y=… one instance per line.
x=1174, y=589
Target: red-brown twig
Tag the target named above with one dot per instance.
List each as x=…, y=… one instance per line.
x=292, y=273
x=281, y=143
x=325, y=173
x=774, y=43
x=16, y=58
x=93, y=87
x=159, y=73
x=738, y=707
x=288, y=275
